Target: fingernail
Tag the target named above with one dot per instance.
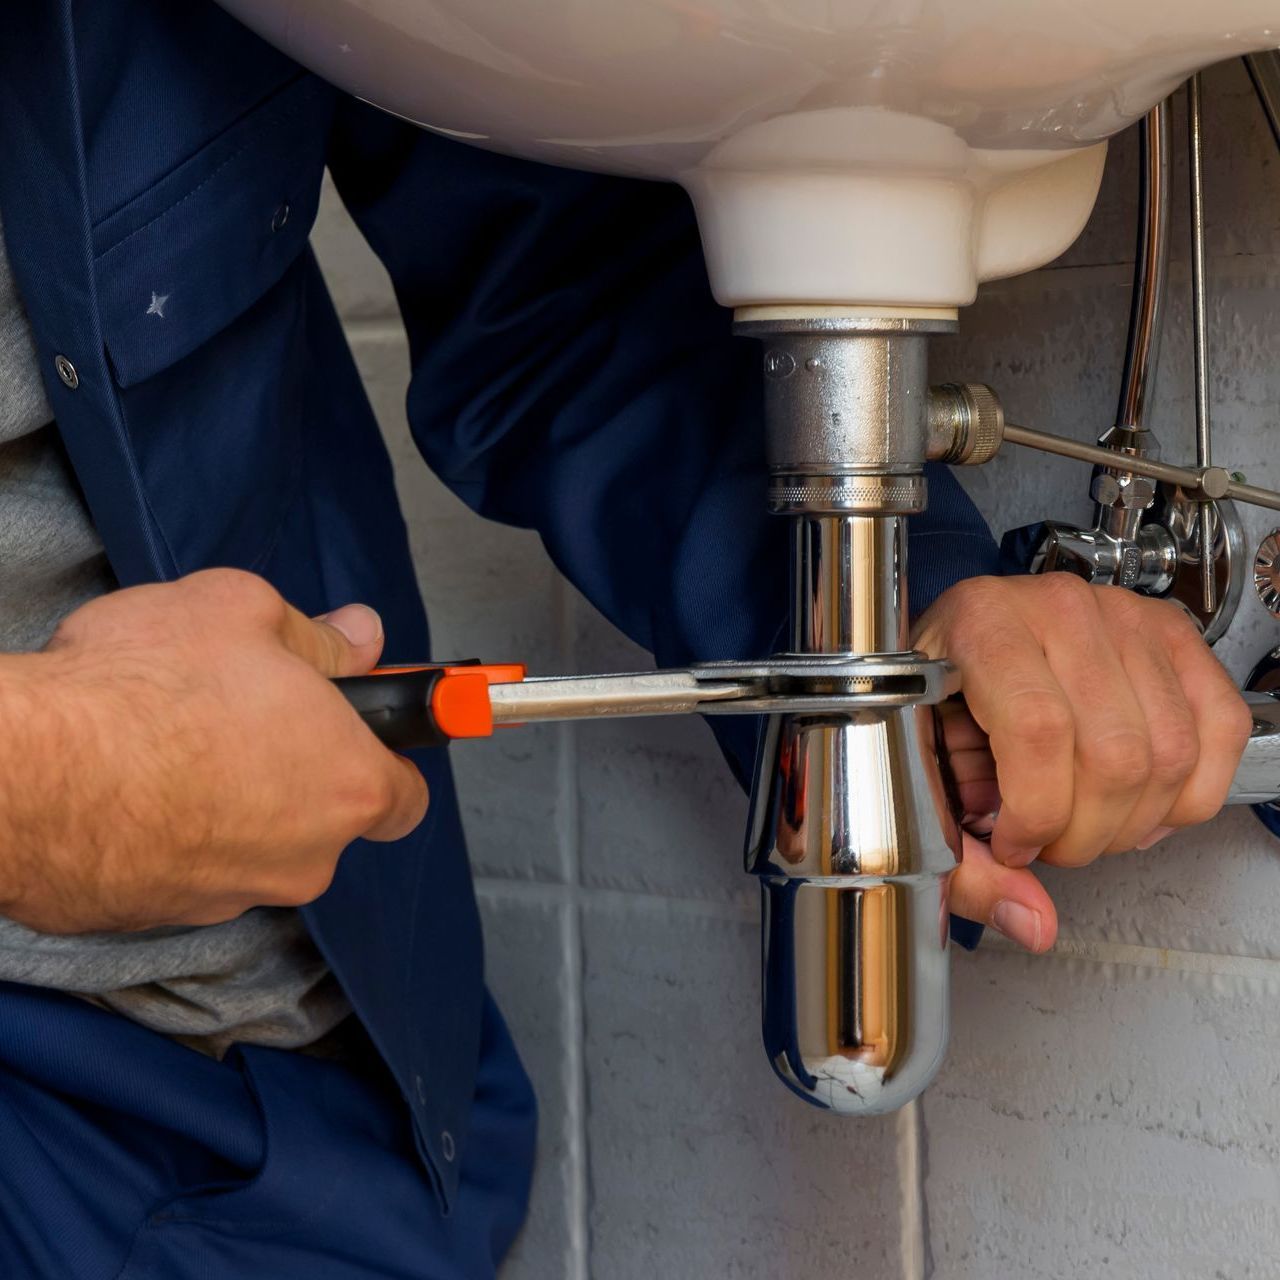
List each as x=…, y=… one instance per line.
x=1018, y=923
x=360, y=624
x=979, y=824
x=1019, y=855
x=1154, y=838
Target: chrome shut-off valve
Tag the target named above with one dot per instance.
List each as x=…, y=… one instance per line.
x=1179, y=539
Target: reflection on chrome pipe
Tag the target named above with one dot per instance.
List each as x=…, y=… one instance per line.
x=1150, y=268
x=1257, y=778
x=830, y=554
x=850, y=838
x=1264, y=71
x=842, y=1029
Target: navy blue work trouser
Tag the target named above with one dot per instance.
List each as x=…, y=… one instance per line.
x=125, y=1156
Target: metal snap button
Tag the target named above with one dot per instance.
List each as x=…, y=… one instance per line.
x=280, y=217
x=67, y=372
x=447, y=1149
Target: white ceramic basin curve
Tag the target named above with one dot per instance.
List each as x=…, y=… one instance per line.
x=888, y=153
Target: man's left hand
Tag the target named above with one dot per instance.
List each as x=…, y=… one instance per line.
x=1097, y=721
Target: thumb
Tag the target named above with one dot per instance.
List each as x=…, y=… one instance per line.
x=346, y=642
x=1012, y=900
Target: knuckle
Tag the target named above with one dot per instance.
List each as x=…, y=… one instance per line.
x=1046, y=824
x=978, y=592
x=1042, y=721
x=1237, y=723
x=968, y=628
x=219, y=580
x=1176, y=623
x=1124, y=756
x=241, y=593
x=1120, y=599
x=1175, y=752
x=1065, y=591
x=1199, y=808
x=373, y=796
x=316, y=883
x=1130, y=612
x=959, y=591
x=972, y=605
x=1071, y=858
x=298, y=886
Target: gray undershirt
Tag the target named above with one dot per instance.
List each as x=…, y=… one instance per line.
x=258, y=979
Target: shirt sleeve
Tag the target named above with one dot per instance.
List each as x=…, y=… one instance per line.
x=573, y=374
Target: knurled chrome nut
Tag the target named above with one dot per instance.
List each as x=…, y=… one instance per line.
x=847, y=495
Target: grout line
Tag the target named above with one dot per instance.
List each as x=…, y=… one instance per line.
x=579, y=1208
x=549, y=893
x=911, y=1184
x=1206, y=963
x=1216, y=963
x=1210, y=963
x=374, y=330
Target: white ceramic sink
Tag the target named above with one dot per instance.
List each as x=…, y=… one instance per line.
x=883, y=153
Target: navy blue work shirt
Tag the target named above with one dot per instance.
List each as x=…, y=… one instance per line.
x=571, y=373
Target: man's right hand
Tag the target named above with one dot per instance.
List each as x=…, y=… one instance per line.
x=177, y=755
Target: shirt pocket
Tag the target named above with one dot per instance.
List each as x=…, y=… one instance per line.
x=204, y=286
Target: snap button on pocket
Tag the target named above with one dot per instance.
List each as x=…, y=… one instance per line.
x=66, y=372
x=447, y=1148
x=281, y=217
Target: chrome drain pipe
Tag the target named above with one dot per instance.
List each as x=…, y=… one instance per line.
x=848, y=834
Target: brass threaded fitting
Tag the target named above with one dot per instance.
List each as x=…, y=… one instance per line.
x=966, y=423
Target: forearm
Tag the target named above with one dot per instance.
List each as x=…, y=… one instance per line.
x=43, y=780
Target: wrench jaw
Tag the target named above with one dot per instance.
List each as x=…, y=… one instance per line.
x=800, y=683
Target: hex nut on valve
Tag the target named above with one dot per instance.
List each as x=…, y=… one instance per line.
x=1105, y=490
x=1134, y=493
x=1139, y=493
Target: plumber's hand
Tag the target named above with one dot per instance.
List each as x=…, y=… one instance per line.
x=178, y=755
x=1098, y=721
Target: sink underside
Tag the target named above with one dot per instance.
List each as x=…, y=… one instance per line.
x=848, y=152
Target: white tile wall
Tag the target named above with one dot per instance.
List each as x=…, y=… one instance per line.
x=1105, y=1119
x=698, y=1167
x=1110, y=1110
